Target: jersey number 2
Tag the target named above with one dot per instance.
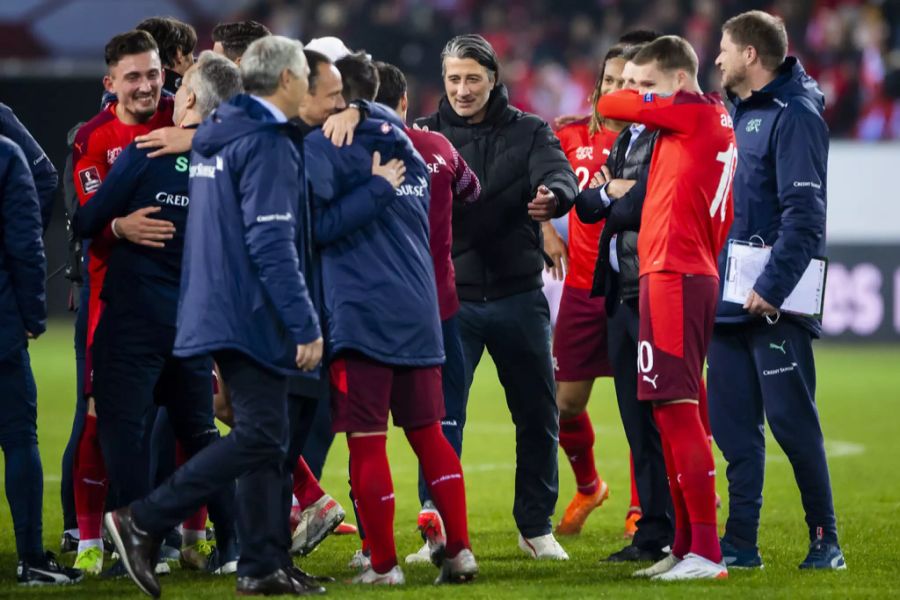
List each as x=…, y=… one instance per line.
x=584, y=176
x=729, y=162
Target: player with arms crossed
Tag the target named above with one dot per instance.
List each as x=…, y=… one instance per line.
x=686, y=217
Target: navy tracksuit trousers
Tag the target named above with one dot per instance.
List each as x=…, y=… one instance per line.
x=758, y=373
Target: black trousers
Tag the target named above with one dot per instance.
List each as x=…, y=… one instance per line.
x=253, y=453
x=656, y=527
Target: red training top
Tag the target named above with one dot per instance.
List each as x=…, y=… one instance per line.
x=97, y=145
x=452, y=181
x=586, y=153
x=688, y=209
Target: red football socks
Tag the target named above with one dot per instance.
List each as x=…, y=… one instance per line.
x=689, y=463
x=444, y=477
x=306, y=486
x=635, y=499
x=89, y=481
x=576, y=436
x=194, y=525
x=370, y=478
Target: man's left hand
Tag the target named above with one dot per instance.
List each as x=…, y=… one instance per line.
x=543, y=205
x=339, y=127
x=755, y=305
x=166, y=140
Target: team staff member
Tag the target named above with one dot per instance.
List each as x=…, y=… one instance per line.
x=383, y=324
x=497, y=254
x=133, y=354
x=779, y=195
x=135, y=77
x=42, y=170
x=684, y=223
x=23, y=317
x=247, y=220
x=579, y=342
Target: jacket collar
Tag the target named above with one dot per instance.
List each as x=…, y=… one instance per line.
x=497, y=109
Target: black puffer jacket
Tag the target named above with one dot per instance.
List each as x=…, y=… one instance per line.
x=497, y=248
x=623, y=217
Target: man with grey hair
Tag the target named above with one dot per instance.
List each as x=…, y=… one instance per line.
x=247, y=230
x=497, y=253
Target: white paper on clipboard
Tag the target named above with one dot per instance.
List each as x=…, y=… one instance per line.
x=745, y=264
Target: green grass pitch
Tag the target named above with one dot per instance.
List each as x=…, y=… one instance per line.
x=858, y=400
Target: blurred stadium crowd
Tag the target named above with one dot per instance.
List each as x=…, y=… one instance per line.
x=550, y=49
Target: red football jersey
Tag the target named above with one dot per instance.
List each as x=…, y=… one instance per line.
x=688, y=209
x=97, y=145
x=586, y=153
x=451, y=181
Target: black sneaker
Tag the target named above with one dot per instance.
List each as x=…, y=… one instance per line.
x=824, y=555
x=68, y=543
x=632, y=553
x=46, y=571
x=117, y=571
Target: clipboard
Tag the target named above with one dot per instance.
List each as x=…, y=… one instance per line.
x=746, y=261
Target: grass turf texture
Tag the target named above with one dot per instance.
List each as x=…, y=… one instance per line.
x=857, y=399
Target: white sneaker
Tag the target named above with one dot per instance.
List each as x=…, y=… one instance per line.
x=544, y=547
x=317, y=521
x=360, y=562
x=658, y=568
x=370, y=577
x=421, y=556
x=694, y=566
x=459, y=569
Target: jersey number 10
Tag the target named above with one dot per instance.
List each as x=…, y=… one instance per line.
x=729, y=162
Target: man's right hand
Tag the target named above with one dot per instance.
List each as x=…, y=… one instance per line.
x=310, y=355
x=619, y=187
x=139, y=228
x=393, y=171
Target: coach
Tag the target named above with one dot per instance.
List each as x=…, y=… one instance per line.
x=497, y=253
x=761, y=363
x=244, y=300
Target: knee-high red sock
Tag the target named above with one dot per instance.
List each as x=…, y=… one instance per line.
x=576, y=436
x=306, y=486
x=370, y=478
x=444, y=477
x=682, y=543
x=89, y=481
x=703, y=408
x=196, y=523
x=680, y=426
x=635, y=499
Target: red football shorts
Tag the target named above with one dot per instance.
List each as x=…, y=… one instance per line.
x=677, y=313
x=579, y=343
x=364, y=390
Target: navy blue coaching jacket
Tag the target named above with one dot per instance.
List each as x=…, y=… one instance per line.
x=146, y=279
x=42, y=170
x=780, y=183
x=23, y=266
x=241, y=284
x=378, y=276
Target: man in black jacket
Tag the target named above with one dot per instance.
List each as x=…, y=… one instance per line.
x=497, y=253
x=618, y=196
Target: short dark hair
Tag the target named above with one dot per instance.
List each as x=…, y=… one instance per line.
x=128, y=43
x=235, y=37
x=359, y=75
x=171, y=35
x=314, y=59
x=765, y=32
x=639, y=36
x=671, y=52
x=472, y=45
x=391, y=84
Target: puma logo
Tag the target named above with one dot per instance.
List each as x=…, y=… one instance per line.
x=778, y=347
x=652, y=381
